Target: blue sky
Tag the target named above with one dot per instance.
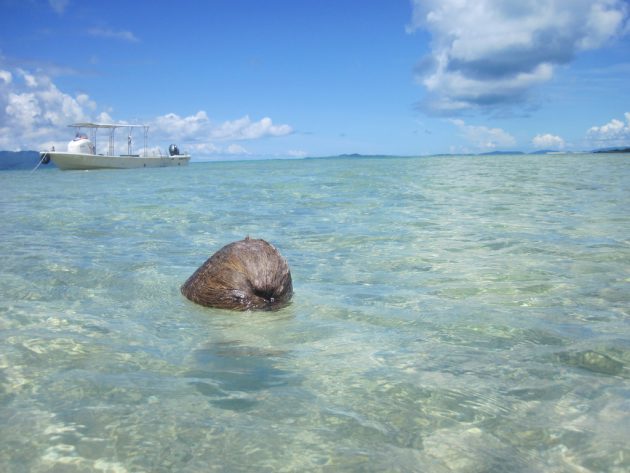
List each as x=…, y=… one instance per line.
x=234, y=79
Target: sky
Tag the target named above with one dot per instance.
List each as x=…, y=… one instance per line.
x=244, y=79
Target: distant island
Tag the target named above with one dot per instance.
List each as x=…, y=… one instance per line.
x=499, y=153
x=13, y=160
x=613, y=150
x=488, y=153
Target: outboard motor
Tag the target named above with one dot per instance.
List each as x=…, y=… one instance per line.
x=173, y=150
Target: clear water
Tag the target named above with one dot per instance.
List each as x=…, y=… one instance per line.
x=458, y=314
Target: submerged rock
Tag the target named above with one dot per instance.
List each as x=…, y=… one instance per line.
x=592, y=361
x=244, y=275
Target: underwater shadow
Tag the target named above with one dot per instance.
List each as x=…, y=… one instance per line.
x=234, y=375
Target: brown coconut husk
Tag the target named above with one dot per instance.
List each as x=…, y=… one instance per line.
x=249, y=274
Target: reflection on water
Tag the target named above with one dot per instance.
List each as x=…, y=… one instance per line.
x=450, y=315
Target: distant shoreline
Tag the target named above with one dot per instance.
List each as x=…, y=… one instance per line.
x=490, y=153
x=19, y=160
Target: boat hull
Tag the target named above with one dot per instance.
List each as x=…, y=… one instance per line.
x=73, y=161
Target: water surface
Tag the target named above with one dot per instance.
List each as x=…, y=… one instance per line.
x=452, y=314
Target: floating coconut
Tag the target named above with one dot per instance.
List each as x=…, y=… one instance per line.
x=244, y=275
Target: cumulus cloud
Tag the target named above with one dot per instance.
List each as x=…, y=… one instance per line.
x=34, y=114
x=31, y=106
x=199, y=126
x=488, y=53
x=245, y=129
x=211, y=149
x=204, y=148
x=113, y=34
x=484, y=138
x=547, y=141
x=172, y=125
x=613, y=133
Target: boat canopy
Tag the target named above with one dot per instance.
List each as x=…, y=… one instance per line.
x=105, y=125
x=112, y=129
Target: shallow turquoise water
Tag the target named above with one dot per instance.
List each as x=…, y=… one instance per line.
x=465, y=314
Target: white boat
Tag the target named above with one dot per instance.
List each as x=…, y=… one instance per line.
x=82, y=153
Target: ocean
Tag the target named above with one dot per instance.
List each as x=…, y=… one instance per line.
x=450, y=314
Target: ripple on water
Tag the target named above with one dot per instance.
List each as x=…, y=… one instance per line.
x=475, y=323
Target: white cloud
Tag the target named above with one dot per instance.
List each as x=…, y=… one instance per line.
x=23, y=109
x=548, y=141
x=199, y=127
x=236, y=149
x=210, y=149
x=484, y=138
x=58, y=5
x=6, y=76
x=204, y=149
x=32, y=108
x=104, y=117
x=34, y=114
x=30, y=79
x=604, y=19
x=244, y=129
x=493, y=52
x=172, y=125
x=114, y=34
x=85, y=101
x=613, y=133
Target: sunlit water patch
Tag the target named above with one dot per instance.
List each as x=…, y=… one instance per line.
x=461, y=314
